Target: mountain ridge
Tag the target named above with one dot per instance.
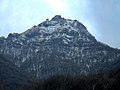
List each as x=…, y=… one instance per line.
x=58, y=46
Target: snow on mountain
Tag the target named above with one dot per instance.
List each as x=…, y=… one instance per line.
x=58, y=46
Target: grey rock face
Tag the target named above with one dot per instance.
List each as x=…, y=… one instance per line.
x=58, y=46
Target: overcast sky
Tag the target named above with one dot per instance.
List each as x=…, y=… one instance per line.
x=101, y=17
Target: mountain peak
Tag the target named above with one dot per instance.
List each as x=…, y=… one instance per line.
x=56, y=27
x=57, y=17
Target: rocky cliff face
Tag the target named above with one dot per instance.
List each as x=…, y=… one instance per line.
x=58, y=46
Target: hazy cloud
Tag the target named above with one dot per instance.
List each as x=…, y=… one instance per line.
x=106, y=17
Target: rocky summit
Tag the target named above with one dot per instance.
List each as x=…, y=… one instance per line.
x=58, y=46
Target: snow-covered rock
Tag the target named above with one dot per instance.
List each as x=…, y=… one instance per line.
x=58, y=46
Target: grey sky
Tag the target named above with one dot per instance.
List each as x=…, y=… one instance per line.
x=101, y=17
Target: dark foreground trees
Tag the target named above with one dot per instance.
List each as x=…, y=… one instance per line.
x=109, y=81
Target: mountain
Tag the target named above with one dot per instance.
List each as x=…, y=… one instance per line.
x=59, y=46
x=12, y=77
